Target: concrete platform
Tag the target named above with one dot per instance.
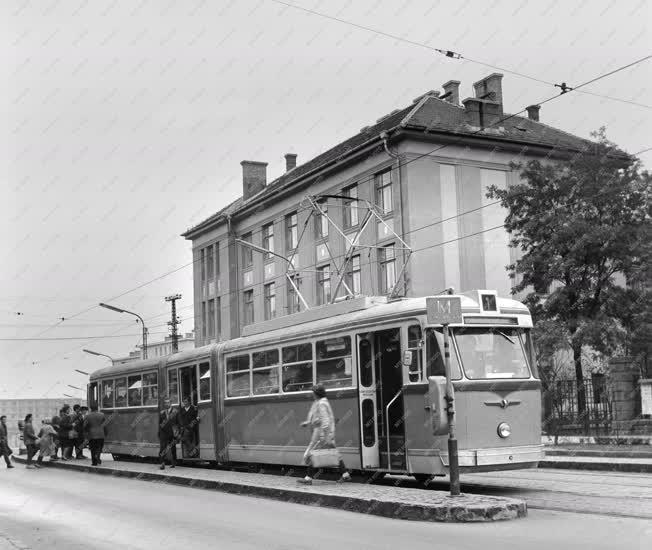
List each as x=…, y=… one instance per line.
x=379, y=500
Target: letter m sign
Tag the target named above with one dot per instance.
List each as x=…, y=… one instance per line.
x=444, y=310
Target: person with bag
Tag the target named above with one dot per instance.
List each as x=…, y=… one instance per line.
x=322, y=451
x=5, y=449
x=31, y=441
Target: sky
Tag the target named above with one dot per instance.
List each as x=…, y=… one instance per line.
x=123, y=123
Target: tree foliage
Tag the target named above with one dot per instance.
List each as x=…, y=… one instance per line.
x=583, y=230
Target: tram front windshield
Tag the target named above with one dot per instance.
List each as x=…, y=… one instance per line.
x=496, y=352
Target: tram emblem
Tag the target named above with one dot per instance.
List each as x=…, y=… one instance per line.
x=503, y=403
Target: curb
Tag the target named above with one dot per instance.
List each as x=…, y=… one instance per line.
x=600, y=454
x=598, y=466
x=457, y=511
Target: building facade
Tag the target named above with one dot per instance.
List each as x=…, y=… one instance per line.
x=425, y=169
x=158, y=349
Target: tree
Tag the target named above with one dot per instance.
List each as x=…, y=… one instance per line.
x=581, y=226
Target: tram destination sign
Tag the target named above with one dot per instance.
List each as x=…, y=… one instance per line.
x=444, y=310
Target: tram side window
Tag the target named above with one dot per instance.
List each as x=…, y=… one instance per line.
x=415, y=344
x=120, y=392
x=334, y=362
x=173, y=386
x=435, y=355
x=135, y=392
x=107, y=394
x=265, y=371
x=204, y=382
x=150, y=389
x=237, y=376
x=297, y=368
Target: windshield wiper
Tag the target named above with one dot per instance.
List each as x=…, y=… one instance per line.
x=506, y=337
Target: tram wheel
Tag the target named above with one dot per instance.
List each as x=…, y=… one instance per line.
x=423, y=479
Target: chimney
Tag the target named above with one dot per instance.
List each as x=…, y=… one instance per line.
x=491, y=89
x=290, y=161
x=533, y=112
x=482, y=113
x=452, y=92
x=254, y=177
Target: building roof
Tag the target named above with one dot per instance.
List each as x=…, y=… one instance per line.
x=427, y=114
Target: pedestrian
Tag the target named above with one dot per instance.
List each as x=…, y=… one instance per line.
x=78, y=428
x=188, y=419
x=56, y=419
x=95, y=429
x=46, y=441
x=31, y=441
x=168, y=425
x=322, y=421
x=5, y=449
x=67, y=434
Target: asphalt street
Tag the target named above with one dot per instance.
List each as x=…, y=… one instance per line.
x=57, y=509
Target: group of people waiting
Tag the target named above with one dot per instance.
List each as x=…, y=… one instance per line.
x=69, y=431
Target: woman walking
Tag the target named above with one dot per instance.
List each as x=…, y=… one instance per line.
x=31, y=441
x=322, y=421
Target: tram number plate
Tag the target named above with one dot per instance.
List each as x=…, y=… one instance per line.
x=444, y=310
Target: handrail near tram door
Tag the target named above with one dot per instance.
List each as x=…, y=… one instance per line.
x=389, y=453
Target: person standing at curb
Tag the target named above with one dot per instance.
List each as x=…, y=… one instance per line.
x=31, y=441
x=56, y=419
x=78, y=429
x=322, y=421
x=168, y=426
x=5, y=449
x=187, y=420
x=46, y=444
x=66, y=431
x=95, y=430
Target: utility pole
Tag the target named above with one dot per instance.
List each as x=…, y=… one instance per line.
x=174, y=322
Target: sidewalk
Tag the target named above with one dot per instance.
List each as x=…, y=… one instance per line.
x=615, y=458
x=379, y=500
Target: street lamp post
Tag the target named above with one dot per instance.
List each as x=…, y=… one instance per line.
x=120, y=310
x=81, y=372
x=95, y=353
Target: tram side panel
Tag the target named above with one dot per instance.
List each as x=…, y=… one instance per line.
x=132, y=432
x=267, y=429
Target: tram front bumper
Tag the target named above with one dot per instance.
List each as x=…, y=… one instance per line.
x=497, y=456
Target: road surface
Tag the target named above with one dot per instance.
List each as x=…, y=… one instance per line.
x=58, y=509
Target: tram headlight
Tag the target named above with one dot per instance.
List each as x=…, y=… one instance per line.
x=504, y=429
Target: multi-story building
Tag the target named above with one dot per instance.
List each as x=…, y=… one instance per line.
x=158, y=349
x=425, y=167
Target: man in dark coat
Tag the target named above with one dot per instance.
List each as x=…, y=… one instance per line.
x=56, y=420
x=5, y=450
x=95, y=430
x=188, y=427
x=65, y=432
x=168, y=426
x=78, y=427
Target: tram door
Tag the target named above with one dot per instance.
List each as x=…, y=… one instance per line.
x=381, y=400
x=188, y=384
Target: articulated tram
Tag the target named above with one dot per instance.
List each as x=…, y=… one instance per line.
x=382, y=364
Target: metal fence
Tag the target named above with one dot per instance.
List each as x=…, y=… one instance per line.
x=562, y=412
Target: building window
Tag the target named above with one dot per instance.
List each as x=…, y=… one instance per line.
x=321, y=222
x=387, y=269
x=270, y=301
x=203, y=322
x=334, y=362
x=202, y=263
x=350, y=206
x=384, y=192
x=353, y=275
x=293, y=300
x=268, y=239
x=248, y=307
x=211, y=319
x=265, y=365
x=291, y=231
x=210, y=263
x=296, y=372
x=217, y=259
x=247, y=252
x=218, y=324
x=323, y=285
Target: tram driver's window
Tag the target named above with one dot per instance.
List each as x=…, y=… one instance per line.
x=334, y=362
x=415, y=344
x=435, y=355
x=296, y=373
x=237, y=376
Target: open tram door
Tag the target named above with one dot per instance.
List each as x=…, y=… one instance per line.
x=381, y=400
x=188, y=389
